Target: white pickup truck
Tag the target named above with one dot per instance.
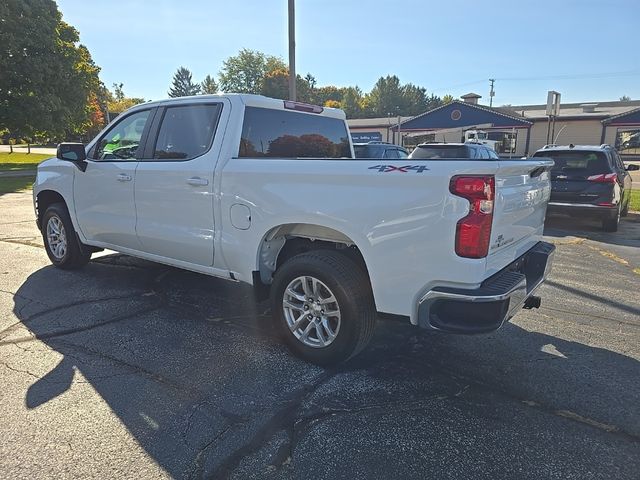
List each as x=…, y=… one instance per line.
x=267, y=192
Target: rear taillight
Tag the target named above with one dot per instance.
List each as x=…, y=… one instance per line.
x=603, y=178
x=473, y=232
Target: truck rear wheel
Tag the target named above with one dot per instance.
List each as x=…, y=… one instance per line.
x=60, y=239
x=323, y=306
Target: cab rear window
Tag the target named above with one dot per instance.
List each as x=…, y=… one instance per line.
x=577, y=162
x=283, y=134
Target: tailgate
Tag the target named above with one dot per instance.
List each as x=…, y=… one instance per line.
x=523, y=188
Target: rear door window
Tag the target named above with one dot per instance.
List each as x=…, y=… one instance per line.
x=617, y=161
x=577, y=163
x=285, y=134
x=186, y=131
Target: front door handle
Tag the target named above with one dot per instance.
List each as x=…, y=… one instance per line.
x=197, y=181
x=123, y=177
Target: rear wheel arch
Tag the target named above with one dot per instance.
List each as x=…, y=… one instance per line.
x=286, y=241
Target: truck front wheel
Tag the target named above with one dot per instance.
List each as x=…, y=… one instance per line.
x=60, y=239
x=323, y=306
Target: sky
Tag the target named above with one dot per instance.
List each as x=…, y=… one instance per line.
x=587, y=50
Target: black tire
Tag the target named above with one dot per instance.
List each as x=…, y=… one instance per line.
x=75, y=254
x=625, y=210
x=348, y=284
x=610, y=223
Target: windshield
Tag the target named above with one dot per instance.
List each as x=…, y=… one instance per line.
x=435, y=152
x=575, y=162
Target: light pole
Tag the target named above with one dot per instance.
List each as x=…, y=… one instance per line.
x=292, y=50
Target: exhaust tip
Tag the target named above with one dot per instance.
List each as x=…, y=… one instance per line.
x=532, y=302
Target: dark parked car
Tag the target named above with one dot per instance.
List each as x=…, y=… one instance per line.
x=590, y=181
x=435, y=151
x=379, y=150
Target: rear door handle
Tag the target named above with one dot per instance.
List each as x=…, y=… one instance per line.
x=197, y=181
x=123, y=177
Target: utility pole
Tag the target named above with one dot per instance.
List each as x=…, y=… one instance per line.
x=491, y=93
x=292, y=50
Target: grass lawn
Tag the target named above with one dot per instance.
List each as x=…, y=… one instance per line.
x=20, y=161
x=16, y=184
x=635, y=200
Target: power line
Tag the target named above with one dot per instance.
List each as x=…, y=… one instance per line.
x=573, y=76
x=568, y=76
x=451, y=87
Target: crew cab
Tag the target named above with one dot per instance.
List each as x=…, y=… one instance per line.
x=268, y=192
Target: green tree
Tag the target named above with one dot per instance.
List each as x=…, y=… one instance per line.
x=414, y=101
x=311, y=81
x=447, y=99
x=118, y=92
x=324, y=94
x=275, y=83
x=209, y=86
x=182, y=84
x=245, y=72
x=625, y=98
x=305, y=89
x=433, y=101
x=386, y=98
x=46, y=77
x=352, y=102
x=118, y=102
x=390, y=98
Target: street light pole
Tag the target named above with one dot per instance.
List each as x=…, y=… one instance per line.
x=292, y=50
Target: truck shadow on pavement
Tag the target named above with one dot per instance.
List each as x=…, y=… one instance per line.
x=628, y=233
x=190, y=366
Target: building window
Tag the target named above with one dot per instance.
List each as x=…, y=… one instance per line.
x=628, y=141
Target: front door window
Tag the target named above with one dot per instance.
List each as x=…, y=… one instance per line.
x=122, y=141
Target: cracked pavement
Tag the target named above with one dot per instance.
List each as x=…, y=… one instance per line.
x=131, y=369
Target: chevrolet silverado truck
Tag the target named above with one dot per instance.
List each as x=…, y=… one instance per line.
x=268, y=192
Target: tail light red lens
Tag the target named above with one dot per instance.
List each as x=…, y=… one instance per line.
x=603, y=178
x=473, y=232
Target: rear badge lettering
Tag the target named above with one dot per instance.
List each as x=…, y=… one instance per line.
x=402, y=169
x=500, y=241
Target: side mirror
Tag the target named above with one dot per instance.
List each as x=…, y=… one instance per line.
x=73, y=152
x=631, y=167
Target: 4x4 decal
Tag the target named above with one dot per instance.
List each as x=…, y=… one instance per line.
x=403, y=169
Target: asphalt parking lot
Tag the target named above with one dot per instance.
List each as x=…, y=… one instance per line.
x=129, y=369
